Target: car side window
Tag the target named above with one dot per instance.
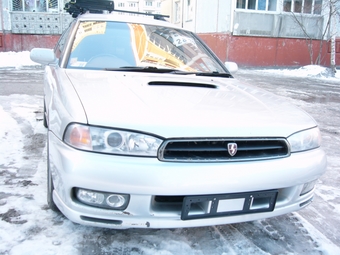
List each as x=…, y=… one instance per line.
x=99, y=45
x=59, y=49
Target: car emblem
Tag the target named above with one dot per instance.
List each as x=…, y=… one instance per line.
x=232, y=149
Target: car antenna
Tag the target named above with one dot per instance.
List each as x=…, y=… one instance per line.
x=78, y=7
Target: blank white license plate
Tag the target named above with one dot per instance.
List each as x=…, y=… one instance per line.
x=221, y=205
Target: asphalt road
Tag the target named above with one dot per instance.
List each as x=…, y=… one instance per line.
x=287, y=234
x=26, y=81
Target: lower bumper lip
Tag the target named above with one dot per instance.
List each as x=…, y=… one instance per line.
x=307, y=202
x=124, y=220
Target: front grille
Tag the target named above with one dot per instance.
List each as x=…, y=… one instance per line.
x=216, y=150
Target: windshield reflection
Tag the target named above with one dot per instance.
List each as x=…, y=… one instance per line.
x=100, y=45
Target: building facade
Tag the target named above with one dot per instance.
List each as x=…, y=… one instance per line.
x=249, y=32
x=261, y=32
x=26, y=24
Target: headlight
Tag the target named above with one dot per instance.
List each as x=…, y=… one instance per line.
x=112, y=141
x=305, y=140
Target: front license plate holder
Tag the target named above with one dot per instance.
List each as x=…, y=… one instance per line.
x=221, y=205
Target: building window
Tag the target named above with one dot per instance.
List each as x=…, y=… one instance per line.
x=303, y=6
x=177, y=12
x=121, y=4
x=190, y=10
x=148, y=3
x=258, y=5
x=35, y=5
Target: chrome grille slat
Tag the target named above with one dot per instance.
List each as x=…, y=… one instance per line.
x=216, y=149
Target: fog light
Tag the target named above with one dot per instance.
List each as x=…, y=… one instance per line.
x=90, y=197
x=103, y=199
x=115, y=200
x=307, y=187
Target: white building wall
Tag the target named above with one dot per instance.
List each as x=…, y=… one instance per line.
x=225, y=16
x=53, y=19
x=337, y=19
x=201, y=16
x=5, y=22
x=214, y=16
x=207, y=18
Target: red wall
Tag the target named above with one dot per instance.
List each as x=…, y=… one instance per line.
x=264, y=51
x=244, y=50
x=24, y=42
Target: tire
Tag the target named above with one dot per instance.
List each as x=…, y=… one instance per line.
x=50, y=186
x=45, y=118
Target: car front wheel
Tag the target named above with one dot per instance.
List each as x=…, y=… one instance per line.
x=50, y=186
x=45, y=118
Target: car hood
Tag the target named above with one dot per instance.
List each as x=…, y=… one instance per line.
x=171, y=105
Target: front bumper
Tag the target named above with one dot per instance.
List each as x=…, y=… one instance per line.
x=145, y=179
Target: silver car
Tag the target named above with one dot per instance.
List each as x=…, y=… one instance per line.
x=148, y=129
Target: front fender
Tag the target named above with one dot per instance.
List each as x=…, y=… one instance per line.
x=62, y=102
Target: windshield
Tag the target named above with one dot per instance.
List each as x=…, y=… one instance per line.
x=107, y=45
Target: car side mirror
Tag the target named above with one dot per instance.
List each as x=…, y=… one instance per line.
x=43, y=56
x=231, y=66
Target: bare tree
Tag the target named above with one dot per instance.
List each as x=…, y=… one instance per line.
x=299, y=19
x=328, y=32
x=334, y=15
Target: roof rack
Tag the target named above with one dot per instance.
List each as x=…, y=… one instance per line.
x=155, y=16
x=78, y=7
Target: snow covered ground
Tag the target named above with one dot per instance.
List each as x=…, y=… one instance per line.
x=16, y=59
x=20, y=59
x=27, y=226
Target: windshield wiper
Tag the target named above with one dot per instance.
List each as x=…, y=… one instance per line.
x=211, y=74
x=146, y=69
x=152, y=69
